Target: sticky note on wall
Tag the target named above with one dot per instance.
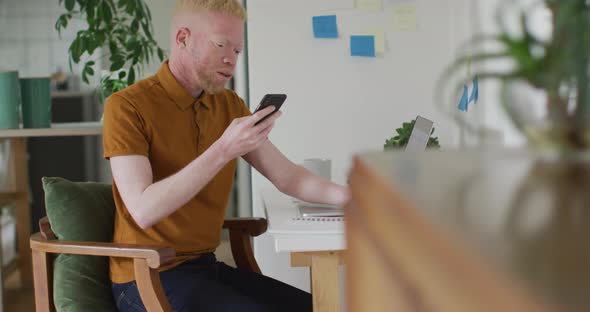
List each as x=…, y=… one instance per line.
x=405, y=17
x=325, y=26
x=379, y=39
x=394, y=2
x=369, y=5
x=362, y=46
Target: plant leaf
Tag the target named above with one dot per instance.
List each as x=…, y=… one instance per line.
x=161, y=54
x=107, y=13
x=75, y=50
x=131, y=77
x=131, y=5
x=70, y=4
x=116, y=66
x=90, y=71
x=134, y=26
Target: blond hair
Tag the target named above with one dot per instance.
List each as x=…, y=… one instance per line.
x=227, y=7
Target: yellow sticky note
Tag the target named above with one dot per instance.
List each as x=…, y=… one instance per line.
x=379, y=39
x=369, y=5
x=405, y=17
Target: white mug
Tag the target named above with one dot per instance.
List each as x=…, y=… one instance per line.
x=319, y=166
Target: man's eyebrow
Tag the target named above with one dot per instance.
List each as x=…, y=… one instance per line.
x=239, y=46
x=225, y=40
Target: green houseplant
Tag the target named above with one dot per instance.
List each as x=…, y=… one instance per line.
x=400, y=139
x=123, y=28
x=545, y=93
x=545, y=89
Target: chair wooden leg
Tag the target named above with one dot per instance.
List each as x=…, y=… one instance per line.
x=149, y=286
x=241, y=248
x=43, y=282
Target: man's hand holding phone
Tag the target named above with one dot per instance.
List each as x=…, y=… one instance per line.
x=247, y=133
x=275, y=100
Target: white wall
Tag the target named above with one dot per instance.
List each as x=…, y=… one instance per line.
x=29, y=42
x=161, y=14
x=338, y=105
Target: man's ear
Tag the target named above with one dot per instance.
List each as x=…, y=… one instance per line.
x=182, y=36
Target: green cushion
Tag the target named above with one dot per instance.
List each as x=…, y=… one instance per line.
x=80, y=211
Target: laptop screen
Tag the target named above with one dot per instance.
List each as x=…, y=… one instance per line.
x=420, y=135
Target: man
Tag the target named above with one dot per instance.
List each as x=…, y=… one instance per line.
x=172, y=140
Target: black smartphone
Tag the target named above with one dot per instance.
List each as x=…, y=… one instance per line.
x=275, y=100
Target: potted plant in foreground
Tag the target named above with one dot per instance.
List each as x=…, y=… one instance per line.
x=545, y=91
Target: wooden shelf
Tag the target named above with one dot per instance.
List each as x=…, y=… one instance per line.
x=57, y=129
x=10, y=268
x=70, y=94
x=7, y=197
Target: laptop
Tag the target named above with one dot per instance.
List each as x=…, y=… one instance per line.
x=417, y=142
x=420, y=135
x=313, y=211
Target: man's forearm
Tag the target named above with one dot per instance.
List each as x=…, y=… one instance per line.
x=164, y=197
x=309, y=187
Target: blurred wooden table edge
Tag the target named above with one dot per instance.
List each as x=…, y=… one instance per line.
x=398, y=259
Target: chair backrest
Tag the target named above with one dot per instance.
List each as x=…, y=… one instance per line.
x=80, y=211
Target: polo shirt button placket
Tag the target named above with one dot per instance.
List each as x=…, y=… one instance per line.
x=198, y=133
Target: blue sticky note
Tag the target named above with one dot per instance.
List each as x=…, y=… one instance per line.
x=475, y=92
x=463, y=102
x=325, y=26
x=362, y=46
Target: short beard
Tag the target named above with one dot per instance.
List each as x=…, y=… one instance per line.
x=208, y=85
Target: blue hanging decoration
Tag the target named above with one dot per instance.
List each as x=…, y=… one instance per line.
x=475, y=92
x=463, y=103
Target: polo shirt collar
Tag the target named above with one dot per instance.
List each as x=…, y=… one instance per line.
x=176, y=91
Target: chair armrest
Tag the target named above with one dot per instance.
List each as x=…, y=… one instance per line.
x=250, y=226
x=146, y=262
x=155, y=256
x=240, y=231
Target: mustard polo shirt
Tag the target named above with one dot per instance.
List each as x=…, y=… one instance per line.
x=157, y=118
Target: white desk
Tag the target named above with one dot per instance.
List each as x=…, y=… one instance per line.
x=318, y=244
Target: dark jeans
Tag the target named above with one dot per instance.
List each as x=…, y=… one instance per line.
x=204, y=284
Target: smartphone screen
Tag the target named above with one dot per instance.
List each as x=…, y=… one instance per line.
x=275, y=100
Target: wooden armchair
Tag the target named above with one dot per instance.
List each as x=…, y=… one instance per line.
x=69, y=266
x=147, y=259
